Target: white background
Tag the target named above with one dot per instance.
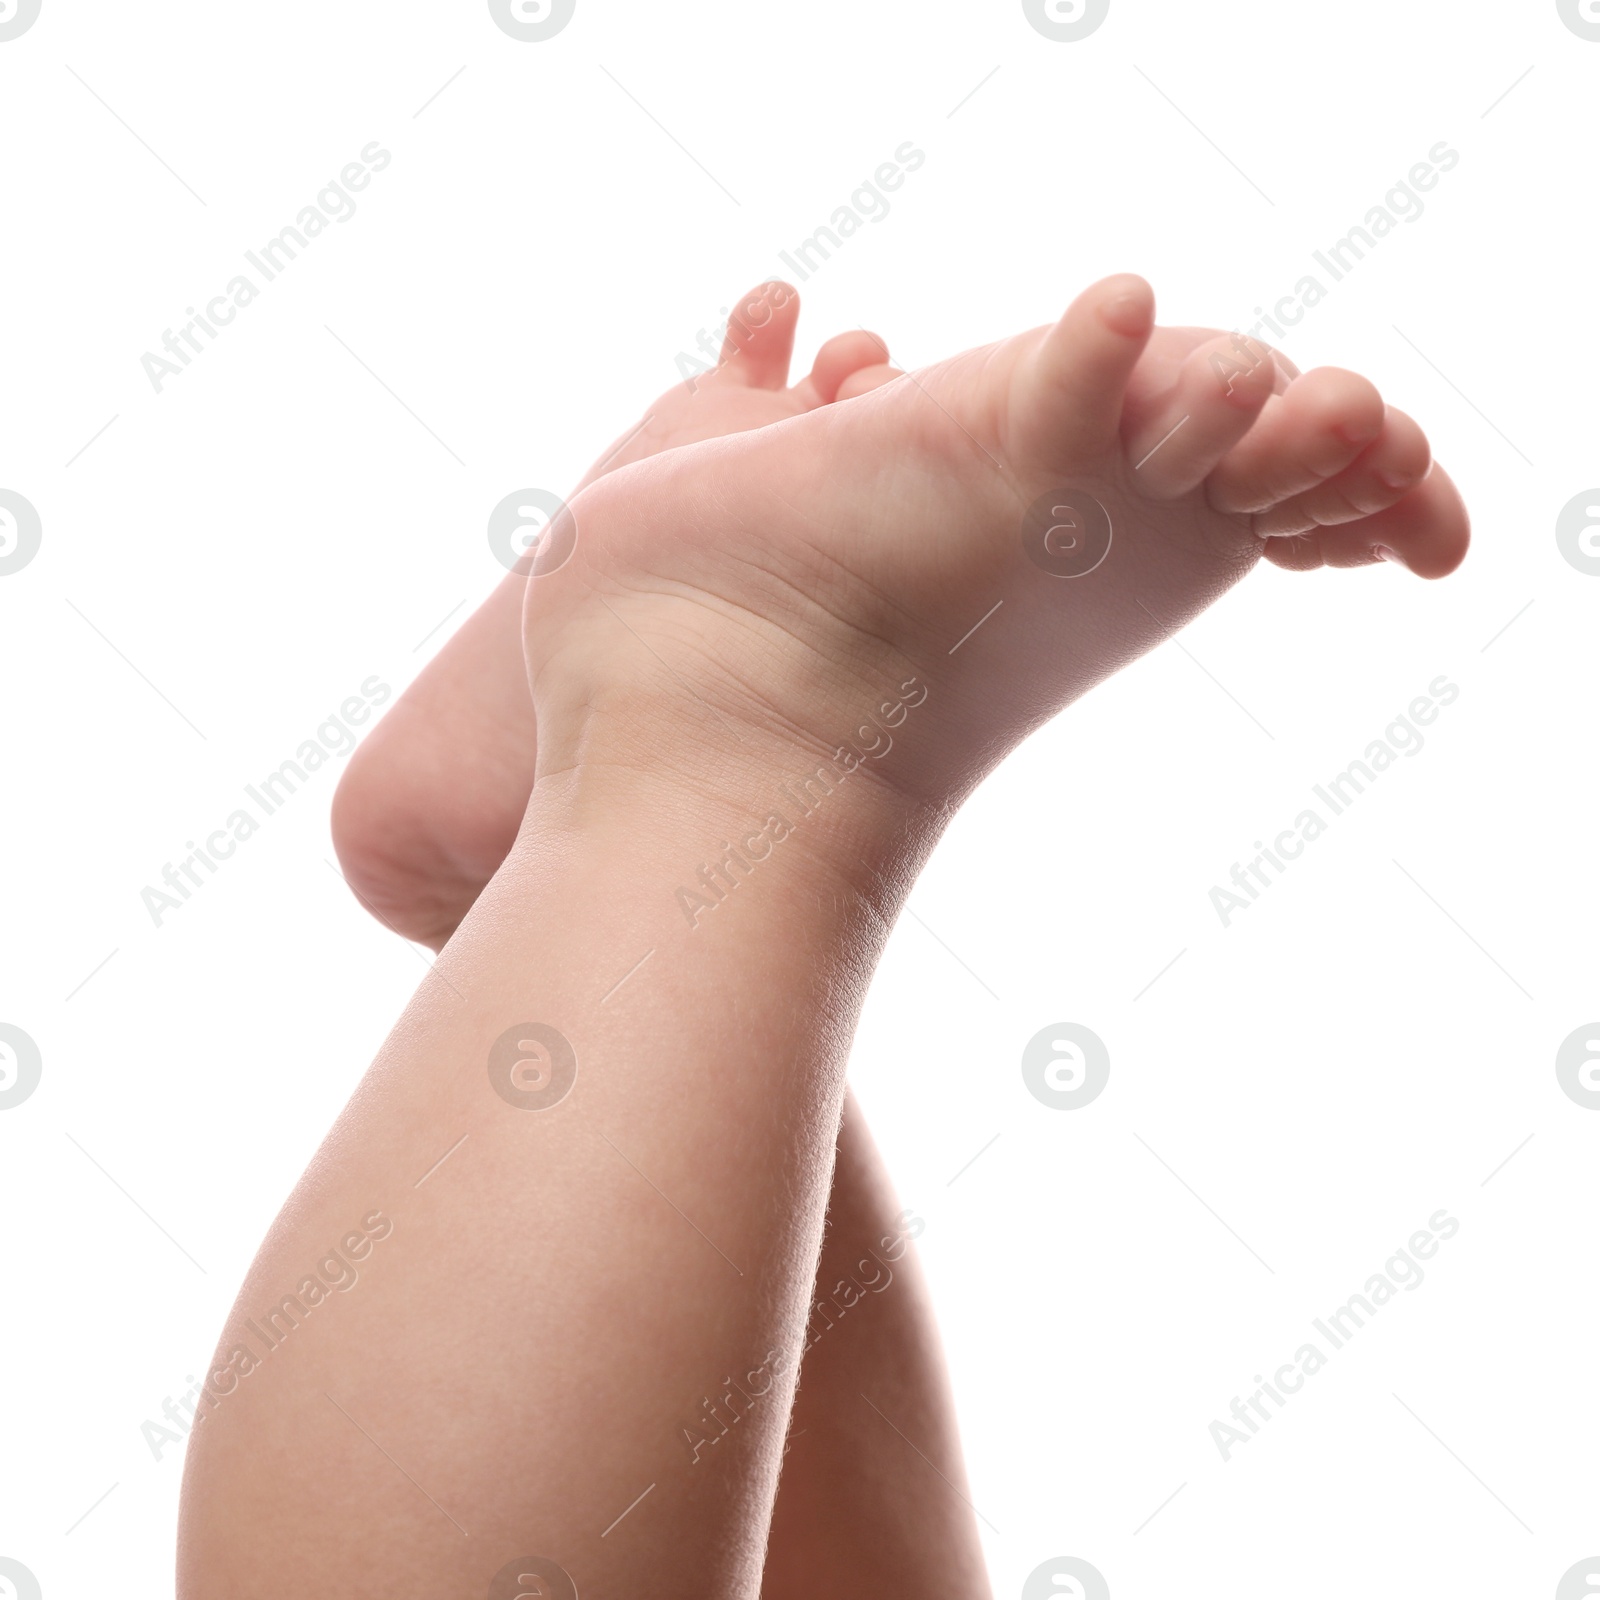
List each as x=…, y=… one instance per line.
x=1291, y=1099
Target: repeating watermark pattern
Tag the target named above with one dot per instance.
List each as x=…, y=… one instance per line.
x=1582, y=16
x=1403, y=737
x=717, y=1418
x=1065, y=1578
x=21, y=1066
x=334, y=203
x=1581, y=1582
x=16, y=1581
x=21, y=532
x=334, y=738
x=868, y=203
x=180, y=1417
x=802, y=798
x=1067, y=533
x=532, y=1066
x=1065, y=1066
x=871, y=1274
x=532, y=21
x=16, y=17
x=1578, y=1066
x=1402, y=1271
x=335, y=1272
x=1403, y=203
x=754, y=311
x=1577, y=532
x=1242, y=358
x=1066, y=21
x=532, y=532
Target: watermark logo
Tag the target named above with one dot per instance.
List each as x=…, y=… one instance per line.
x=1066, y=21
x=16, y=17
x=21, y=532
x=1578, y=532
x=1065, y=1066
x=1067, y=533
x=16, y=1582
x=1583, y=17
x=532, y=21
x=21, y=1067
x=532, y=1066
x=1578, y=1067
x=1581, y=1582
x=532, y=532
x=1065, y=1578
x=532, y=1578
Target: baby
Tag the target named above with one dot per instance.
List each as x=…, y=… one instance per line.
x=775, y=639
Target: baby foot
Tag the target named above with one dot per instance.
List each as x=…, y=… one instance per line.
x=1000, y=531
x=430, y=801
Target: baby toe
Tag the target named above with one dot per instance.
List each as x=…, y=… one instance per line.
x=1068, y=404
x=867, y=379
x=1220, y=391
x=1426, y=531
x=837, y=361
x=1311, y=432
x=1387, y=469
x=760, y=337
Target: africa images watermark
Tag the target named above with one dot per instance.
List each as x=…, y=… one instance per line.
x=1402, y=203
x=802, y=798
x=868, y=203
x=871, y=1275
x=334, y=737
x=1403, y=1270
x=334, y=203
x=1401, y=738
x=335, y=1273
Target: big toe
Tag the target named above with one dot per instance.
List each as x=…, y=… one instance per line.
x=1075, y=378
x=760, y=337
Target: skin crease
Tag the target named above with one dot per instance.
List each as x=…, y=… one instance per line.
x=527, y=1342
